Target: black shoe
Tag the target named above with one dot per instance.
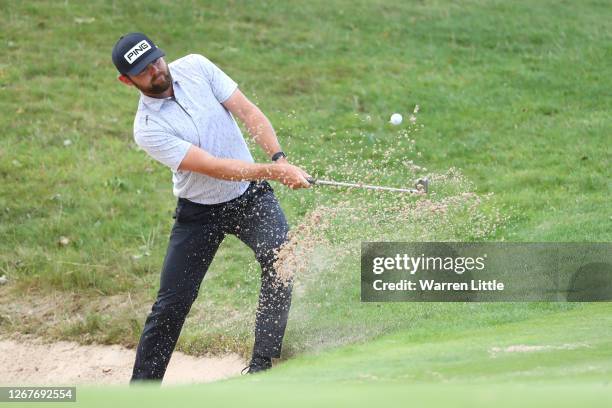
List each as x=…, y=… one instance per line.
x=257, y=365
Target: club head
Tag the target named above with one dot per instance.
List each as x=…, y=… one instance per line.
x=422, y=184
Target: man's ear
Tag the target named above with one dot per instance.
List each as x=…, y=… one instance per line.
x=123, y=78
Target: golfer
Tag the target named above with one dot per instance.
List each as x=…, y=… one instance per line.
x=185, y=120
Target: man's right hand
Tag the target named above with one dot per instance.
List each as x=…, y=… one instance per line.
x=291, y=176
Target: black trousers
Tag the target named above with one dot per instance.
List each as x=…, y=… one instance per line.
x=256, y=219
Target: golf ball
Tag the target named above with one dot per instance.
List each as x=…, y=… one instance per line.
x=396, y=119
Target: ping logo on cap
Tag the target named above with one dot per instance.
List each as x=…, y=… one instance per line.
x=137, y=51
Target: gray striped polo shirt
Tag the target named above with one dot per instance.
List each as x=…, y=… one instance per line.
x=166, y=128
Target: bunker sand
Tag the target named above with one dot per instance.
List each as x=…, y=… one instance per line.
x=27, y=361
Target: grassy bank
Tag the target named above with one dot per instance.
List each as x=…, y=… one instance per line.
x=515, y=95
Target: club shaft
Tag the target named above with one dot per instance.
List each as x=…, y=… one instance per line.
x=366, y=186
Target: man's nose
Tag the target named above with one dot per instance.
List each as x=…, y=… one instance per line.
x=153, y=69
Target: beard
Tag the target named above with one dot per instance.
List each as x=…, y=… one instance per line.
x=160, y=83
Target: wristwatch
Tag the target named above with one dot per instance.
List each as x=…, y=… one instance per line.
x=278, y=155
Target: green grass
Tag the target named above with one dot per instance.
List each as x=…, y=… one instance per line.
x=464, y=349
x=365, y=395
x=514, y=94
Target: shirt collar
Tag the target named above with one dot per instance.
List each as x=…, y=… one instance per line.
x=152, y=103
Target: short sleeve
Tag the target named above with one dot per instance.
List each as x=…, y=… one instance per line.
x=221, y=84
x=161, y=144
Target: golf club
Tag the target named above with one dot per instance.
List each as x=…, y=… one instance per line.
x=421, y=186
